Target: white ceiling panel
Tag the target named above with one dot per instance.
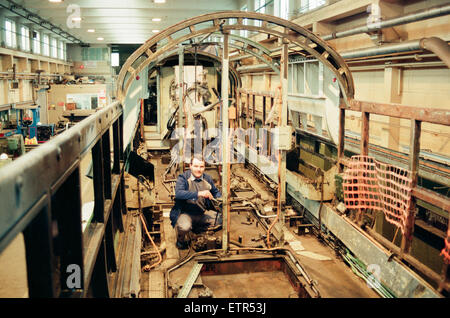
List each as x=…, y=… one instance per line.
x=120, y=21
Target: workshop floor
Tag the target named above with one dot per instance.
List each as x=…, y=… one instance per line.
x=334, y=278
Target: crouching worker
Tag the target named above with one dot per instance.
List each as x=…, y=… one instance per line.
x=193, y=209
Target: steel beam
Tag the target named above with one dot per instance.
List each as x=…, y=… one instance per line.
x=181, y=108
x=429, y=115
x=225, y=143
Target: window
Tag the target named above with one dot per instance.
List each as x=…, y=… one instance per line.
x=36, y=42
x=54, y=48
x=10, y=33
x=25, y=38
x=260, y=8
x=115, y=59
x=46, y=46
x=244, y=33
x=61, y=50
x=281, y=8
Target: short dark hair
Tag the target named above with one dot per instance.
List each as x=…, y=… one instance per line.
x=199, y=157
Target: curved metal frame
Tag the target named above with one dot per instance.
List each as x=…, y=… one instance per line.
x=248, y=47
x=167, y=55
x=220, y=21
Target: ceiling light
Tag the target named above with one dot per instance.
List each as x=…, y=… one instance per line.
x=91, y=30
x=159, y=1
x=155, y=31
x=55, y=1
x=100, y=39
x=156, y=19
x=76, y=19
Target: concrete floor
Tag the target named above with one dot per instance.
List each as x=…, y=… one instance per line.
x=13, y=273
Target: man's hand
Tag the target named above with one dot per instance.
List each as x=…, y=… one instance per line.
x=205, y=194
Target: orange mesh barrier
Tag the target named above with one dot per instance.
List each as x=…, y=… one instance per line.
x=369, y=184
x=446, y=250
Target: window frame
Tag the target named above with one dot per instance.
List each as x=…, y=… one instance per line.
x=25, y=38
x=53, y=48
x=36, y=42
x=10, y=41
x=46, y=45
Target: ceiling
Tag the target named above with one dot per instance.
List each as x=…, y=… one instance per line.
x=121, y=21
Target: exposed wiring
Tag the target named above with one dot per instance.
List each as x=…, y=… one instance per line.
x=361, y=271
x=147, y=267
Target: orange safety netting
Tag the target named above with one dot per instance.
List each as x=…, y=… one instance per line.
x=446, y=250
x=369, y=184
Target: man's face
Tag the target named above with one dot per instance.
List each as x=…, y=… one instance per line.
x=197, y=167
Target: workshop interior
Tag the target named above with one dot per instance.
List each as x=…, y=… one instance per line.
x=324, y=124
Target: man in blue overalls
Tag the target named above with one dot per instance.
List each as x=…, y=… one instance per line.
x=193, y=208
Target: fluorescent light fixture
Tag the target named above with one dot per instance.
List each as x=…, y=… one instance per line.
x=55, y=1
x=91, y=30
x=156, y=19
x=159, y=1
x=100, y=39
x=155, y=31
x=76, y=19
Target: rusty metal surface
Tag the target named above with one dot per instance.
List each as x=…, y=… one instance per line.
x=174, y=52
x=256, y=276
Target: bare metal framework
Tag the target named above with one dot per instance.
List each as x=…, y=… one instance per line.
x=41, y=198
x=172, y=53
x=225, y=22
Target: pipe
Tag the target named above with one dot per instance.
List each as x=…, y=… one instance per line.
x=417, y=57
x=257, y=211
x=412, y=17
x=404, y=65
x=383, y=50
x=438, y=47
x=252, y=67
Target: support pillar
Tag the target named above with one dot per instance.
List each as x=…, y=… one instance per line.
x=392, y=77
x=283, y=123
x=180, y=108
x=225, y=143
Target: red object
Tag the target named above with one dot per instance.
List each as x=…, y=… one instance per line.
x=81, y=66
x=334, y=79
x=446, y=250
x=369, y=184
x=137, y=77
